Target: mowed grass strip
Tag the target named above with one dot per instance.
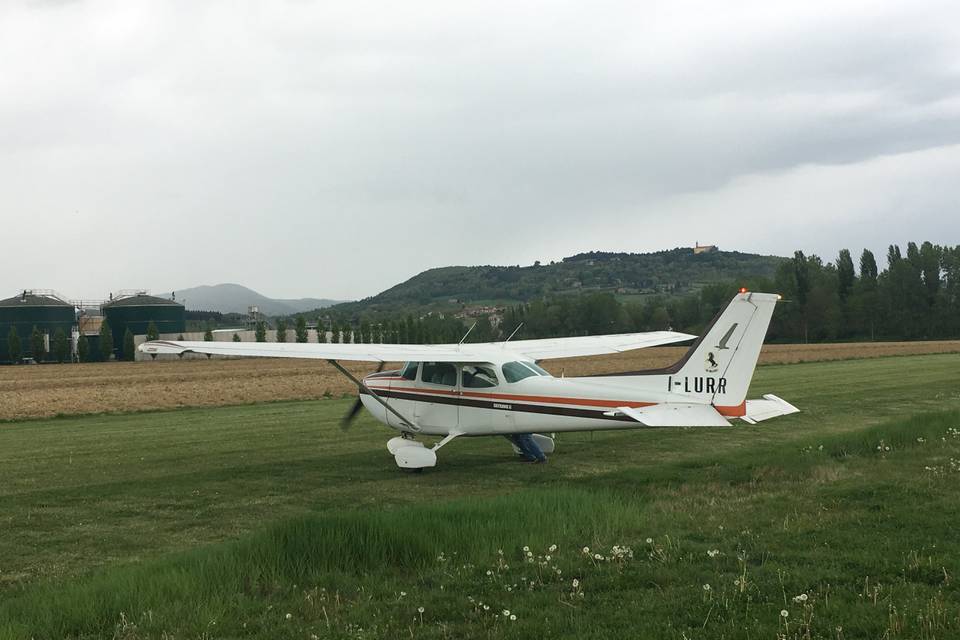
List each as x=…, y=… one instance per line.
x=842, y=536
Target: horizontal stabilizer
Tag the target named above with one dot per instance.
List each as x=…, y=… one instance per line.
x=676, y=415
x=770, y=407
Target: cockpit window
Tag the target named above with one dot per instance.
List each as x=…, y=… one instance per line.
x=516, y=371
x=533, y=365
x=409, y=371
x=440, y=373
x=478, y=377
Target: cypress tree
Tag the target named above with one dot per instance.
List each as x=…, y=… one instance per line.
x=36, y=345
x=152, y=332
x=260, y=331
x=61, y=346
x=281, y=330
x=13, y=345
x=83, y=348
x=321, y=330
x=236, y=338
x=128, y=345
x=106, y=340
x=300, y=331
x=334, y=333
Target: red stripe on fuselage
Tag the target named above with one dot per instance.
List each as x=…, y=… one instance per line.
x=587, y=402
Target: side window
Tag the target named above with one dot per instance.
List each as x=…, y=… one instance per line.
x=443, y=373
x=515, y=372
x=478, y=377
x=409, y=371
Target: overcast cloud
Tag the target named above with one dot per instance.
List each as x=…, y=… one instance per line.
x=333, y=149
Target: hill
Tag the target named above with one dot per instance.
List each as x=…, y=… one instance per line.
x=626, y=274
x=235, y=298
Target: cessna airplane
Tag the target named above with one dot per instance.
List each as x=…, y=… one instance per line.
x=497, y=388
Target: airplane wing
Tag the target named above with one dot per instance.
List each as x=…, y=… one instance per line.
x=591, y=345
x=475, y=352
x=318, y=351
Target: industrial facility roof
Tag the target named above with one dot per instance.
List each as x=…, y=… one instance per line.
x=29, y=299
x=140, y=300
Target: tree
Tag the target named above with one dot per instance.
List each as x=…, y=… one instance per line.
x=801, y=274
x=106, y=340
x=83, y=348
x=61, y=346
x=13, y=345
x=236, y=338
x=281, y=330
x=300, y=329
x=37, y=347
x=152, y=332
x=321, y=330
x=260, y=331
x=334, y=333
x=208, y=335
x=128, y=345
x=866, y=299
x=845, y=274
x=347, y=336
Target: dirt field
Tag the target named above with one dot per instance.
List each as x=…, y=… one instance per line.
x=48, y=390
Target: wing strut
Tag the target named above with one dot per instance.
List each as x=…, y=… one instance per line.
x=410, y=423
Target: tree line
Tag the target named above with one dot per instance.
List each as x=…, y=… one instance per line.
x=915, y=297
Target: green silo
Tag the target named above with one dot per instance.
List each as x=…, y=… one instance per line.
x=136, y=312
x=44, y=310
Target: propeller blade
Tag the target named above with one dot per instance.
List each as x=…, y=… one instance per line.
x=347, y=419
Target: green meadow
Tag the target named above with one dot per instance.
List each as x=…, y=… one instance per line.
x=268, y=521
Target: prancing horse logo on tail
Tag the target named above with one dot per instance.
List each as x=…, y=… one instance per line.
x=726, y=336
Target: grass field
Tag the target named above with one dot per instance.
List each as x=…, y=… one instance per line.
x=267, y=521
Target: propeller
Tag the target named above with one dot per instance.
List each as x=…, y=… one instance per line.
x=347, y=419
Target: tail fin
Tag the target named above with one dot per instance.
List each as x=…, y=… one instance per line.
x=720, y=365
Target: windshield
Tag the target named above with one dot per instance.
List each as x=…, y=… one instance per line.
x=409, y=370
x=517, y=371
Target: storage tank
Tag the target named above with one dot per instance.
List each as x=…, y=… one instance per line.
x=137, y=311
x=44, y=310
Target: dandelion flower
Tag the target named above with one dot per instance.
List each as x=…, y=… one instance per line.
x=486, y=607
x=289, y=616
x=403, y=594
x=576, y=583
x=506, y=612
x=553, y=548
x=420, y=609
x=706, y=587
x=489, y=572
x=513, y=617
x=526, y=549
x=649, y=540
x=784, y=613
x=586, y=549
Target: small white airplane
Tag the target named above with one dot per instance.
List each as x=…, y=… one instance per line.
x=497, y=388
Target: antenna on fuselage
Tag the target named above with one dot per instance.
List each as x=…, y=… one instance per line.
x=466, y=334
x=511, y=335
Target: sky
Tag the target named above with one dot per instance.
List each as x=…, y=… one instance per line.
x=333, y=149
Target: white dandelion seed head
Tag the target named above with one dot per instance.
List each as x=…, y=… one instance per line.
x=553, y=548
x=784, y=613
x=576, y=583
x=513, y=617
x=706, y=587
x=526, y=549
x=586, y=549
x=420, y=609
x=403, y=593
x=506, y=612
x=288, y=616
x=486, y=607
x=649, y=540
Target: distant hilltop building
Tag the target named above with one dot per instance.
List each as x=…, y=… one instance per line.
x=705, y=248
